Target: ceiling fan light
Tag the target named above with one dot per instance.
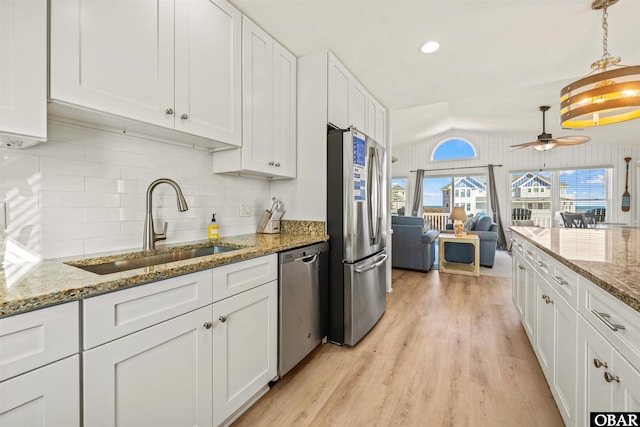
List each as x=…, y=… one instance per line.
x=544, y=147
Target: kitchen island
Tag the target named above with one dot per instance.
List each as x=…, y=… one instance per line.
x=29, y=286
x=577, y=292
x=609, y=258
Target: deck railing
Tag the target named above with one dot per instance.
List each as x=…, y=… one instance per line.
x=437, y=221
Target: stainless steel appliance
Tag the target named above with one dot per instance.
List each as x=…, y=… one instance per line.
x=302, y=318
x=356, y=218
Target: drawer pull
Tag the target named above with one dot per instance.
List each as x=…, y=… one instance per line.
x=604, y=318
x=521, y=267
x=560, y=281
x=207, y=325
x=547, y=299
x=222, y=319
x=610, y=378
x=598, y=364
x=541, y=264
x=528, y=252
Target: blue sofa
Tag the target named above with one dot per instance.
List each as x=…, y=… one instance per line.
x=487, y=232
x=412, y=247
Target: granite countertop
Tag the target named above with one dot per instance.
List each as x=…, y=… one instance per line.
x=30, y=286
x=610, y=258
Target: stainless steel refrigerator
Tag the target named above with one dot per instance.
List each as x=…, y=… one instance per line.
x=356, y=222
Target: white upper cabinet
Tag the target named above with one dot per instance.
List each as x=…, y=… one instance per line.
x=23, y=71
x=165, y=63
x=268, y=112
x=338, y=96
x=349, y=103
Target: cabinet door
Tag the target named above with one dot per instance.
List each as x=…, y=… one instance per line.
x=208, y=91
x=530, y=301
x=625, y=385
x=376, y=120
x=518, y=284
x=338, y=96
x=257, y=93
x=114, y=57
x=564, y=381
x=244, y=347
x=48, y=396
x=594, y=359
x=284, y=111
x=544, y=329
x=160, y=376
x=23, y=68
x=358, y=99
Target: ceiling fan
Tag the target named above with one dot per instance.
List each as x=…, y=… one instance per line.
x=546, y=142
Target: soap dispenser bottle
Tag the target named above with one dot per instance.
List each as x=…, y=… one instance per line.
x=213, y=230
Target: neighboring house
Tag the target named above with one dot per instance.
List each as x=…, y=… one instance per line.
x=398, y=198
x=533, y=191
x=468, y=192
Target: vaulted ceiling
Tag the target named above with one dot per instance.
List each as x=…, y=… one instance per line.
x=500, y=59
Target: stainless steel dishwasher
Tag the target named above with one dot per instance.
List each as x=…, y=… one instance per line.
x=302, y=308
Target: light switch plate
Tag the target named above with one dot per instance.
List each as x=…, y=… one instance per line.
x=245, y=209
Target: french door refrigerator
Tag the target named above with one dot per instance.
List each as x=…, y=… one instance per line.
x=356, y=223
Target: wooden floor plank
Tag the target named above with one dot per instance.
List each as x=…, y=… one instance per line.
x=449, y=351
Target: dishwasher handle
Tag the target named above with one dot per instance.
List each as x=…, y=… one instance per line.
x=308, y=259
x=372, y=266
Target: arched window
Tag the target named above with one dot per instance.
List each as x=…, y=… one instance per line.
x=454, y=148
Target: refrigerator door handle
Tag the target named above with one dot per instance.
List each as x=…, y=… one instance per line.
x=372, y=266
x=374, y=173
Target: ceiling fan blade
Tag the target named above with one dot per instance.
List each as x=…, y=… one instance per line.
x=526, y=144
x=572, y=140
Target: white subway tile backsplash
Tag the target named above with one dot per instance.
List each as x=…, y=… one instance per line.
x=83, y=192
x=58, y=199
x=76, y=167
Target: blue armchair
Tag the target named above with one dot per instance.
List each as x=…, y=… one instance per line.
x=412, y=247
x=487, y=232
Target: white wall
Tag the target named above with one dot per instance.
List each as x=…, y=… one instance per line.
x=495, y=149
x=84, y=190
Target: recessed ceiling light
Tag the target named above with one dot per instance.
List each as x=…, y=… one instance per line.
x=430, y=47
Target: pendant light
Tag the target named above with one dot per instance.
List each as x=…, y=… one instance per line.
x=610, y=93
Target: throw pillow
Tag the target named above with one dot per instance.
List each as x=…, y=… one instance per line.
x=484, y=224
x=470, y=224
x=426, y=226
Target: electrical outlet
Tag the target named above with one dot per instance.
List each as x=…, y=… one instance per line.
x=245, y=209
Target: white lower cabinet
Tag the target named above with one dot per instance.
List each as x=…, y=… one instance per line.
x=585, y=339
x=47, y=396
x=244, y=347
x=606, y=380
x=160, y=376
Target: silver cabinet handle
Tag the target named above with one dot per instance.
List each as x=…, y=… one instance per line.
x=271, y=163
x=547, y=299
x=521, y=267
x=541, y=264
x=528, y=252
x=611, y=378
x=184, y=116
x=277, y=165
x=207, y=325
x=168, y=111
x=598, y=364
x=222, y=318
x=604, y=318
x=559, y=280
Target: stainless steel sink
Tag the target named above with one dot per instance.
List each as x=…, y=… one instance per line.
x=150, y=260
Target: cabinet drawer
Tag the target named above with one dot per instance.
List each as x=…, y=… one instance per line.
x=517, y=245
x=542, y=262
x=608, y=315
x=34, y=339
x=234, y=278
x=110, y=316
x=565, y=282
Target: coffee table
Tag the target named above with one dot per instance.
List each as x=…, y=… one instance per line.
x=444, y=266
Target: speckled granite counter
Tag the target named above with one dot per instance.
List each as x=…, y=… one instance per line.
x=610, y=258
x=29, y=286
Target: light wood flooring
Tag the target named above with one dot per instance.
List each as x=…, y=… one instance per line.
x=449, y=351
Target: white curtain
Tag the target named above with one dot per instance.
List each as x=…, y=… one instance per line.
x=495, y=208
